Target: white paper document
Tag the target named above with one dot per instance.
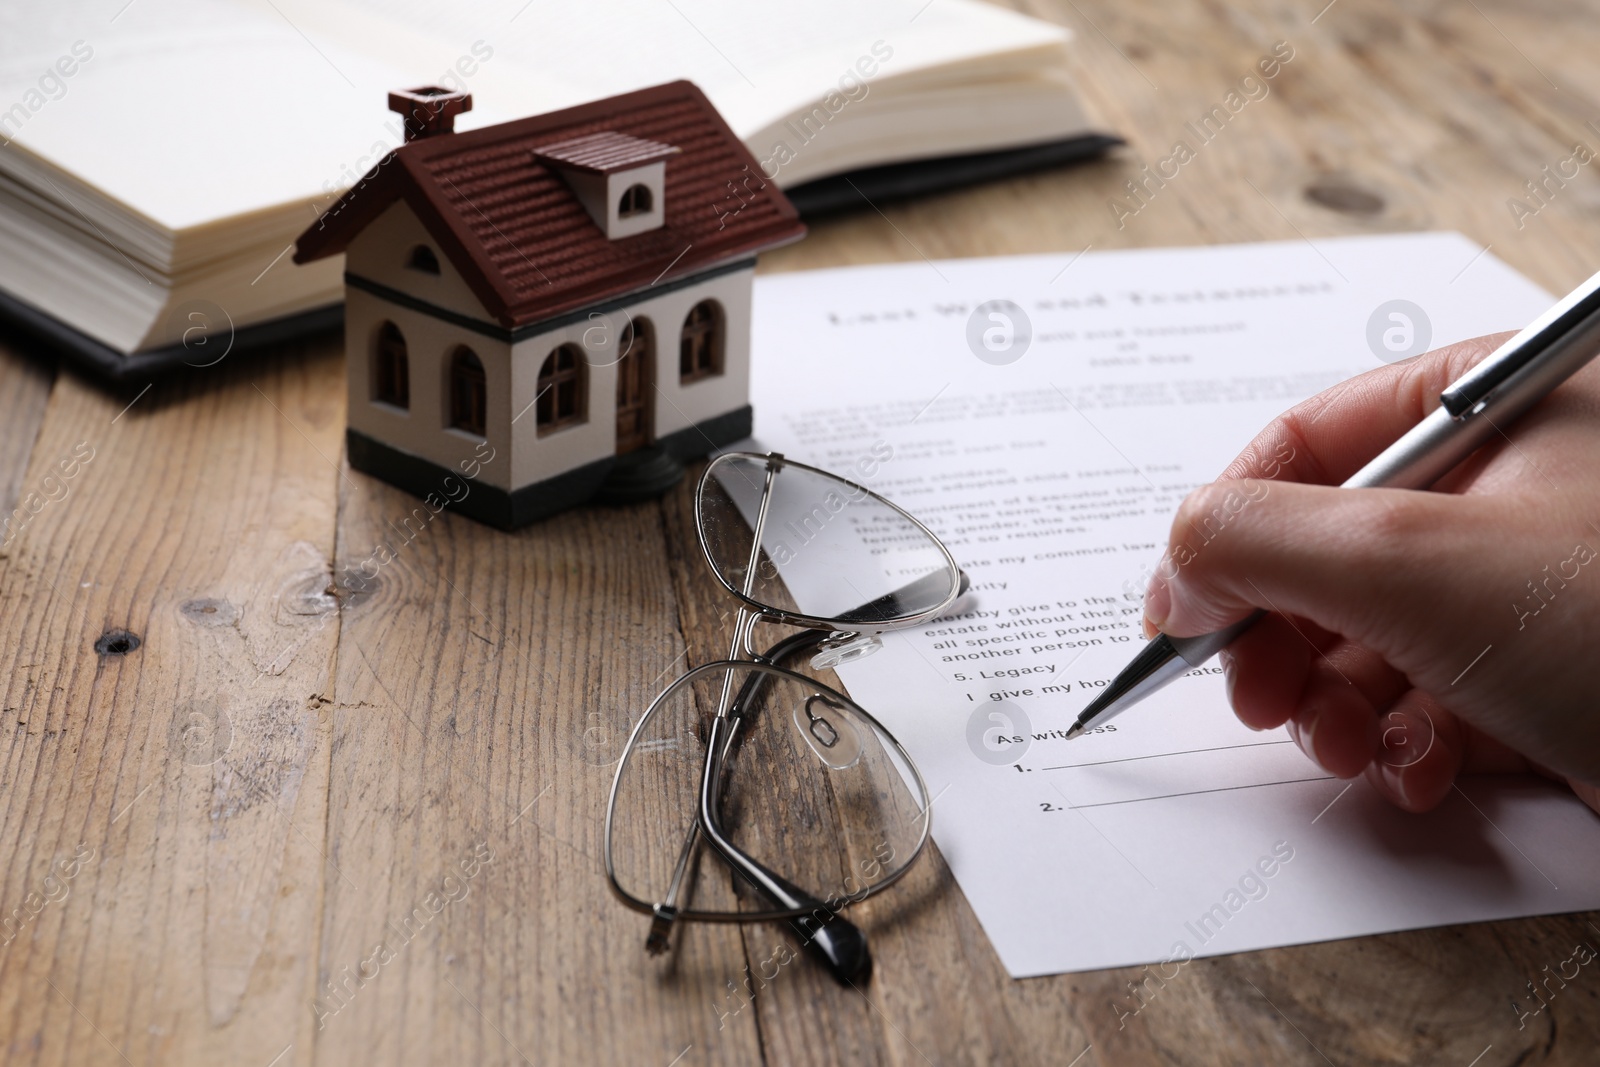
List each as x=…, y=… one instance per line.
x=1045, y=415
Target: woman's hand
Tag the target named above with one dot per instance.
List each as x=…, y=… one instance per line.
x=1413, y=636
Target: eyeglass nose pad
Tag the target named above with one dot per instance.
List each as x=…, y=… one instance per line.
x=844, y=647
x=827, y=730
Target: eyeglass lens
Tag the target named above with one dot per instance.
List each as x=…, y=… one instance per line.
x=829, y=549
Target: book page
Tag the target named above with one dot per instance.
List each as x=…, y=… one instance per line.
x=1048, y=440
x=755, y=63
x=191, y=111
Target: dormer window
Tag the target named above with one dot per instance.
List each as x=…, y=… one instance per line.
x=636, y=200
x=422, y=258
x=620, y=180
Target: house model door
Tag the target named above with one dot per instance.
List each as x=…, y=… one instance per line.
x=633, y=387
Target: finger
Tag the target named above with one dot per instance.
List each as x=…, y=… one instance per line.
x=1265, y=670
x=1320, y=639
x=1334, y=730
x=1334, y=721
x=1378, y=566
x=1422, y=748
x=1587, y=793
x=1486, y=755
x=1269, y=670
x=1329, y=437
x=1349, y=664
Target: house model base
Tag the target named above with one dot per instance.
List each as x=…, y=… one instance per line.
x=553, y=310
x=639, y=475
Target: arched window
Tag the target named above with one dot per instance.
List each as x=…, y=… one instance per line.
x=700, y=348
x=636, y=200
x=423, y=259
x=391, y=370
x=563, y=386
x=469, y=391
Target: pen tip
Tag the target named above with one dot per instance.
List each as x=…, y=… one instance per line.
x=1077, y=728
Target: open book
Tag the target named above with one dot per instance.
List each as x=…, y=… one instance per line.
x=157, y=160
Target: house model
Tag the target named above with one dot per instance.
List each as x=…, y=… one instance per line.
x=560, y=304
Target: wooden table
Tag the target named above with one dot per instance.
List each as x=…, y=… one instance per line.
x=202, y=832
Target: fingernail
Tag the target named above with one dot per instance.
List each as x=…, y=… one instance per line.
x=1157, y=603
x=1304, y=734
x=1396, y=781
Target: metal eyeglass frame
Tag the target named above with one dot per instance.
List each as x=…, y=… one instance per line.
x=836, y=942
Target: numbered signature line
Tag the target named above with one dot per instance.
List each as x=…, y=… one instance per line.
x=1161, y=755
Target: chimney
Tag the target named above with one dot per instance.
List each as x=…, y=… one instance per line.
x=429, y=111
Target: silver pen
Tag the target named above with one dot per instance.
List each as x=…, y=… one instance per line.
x=1476, y=408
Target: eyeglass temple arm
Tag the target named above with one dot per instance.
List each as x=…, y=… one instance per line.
x=666, y=912
x=834, y=941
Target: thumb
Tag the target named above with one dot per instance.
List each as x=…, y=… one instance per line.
x=1373, y=565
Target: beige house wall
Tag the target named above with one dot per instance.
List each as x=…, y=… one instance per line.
x=424, y=430
x=676, y=405
x=382, y=250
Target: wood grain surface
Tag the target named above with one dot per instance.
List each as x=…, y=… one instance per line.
x=267, y=801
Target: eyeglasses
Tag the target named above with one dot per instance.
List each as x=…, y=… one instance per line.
x=752, y=757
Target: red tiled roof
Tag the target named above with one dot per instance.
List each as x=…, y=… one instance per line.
x=522, y=240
